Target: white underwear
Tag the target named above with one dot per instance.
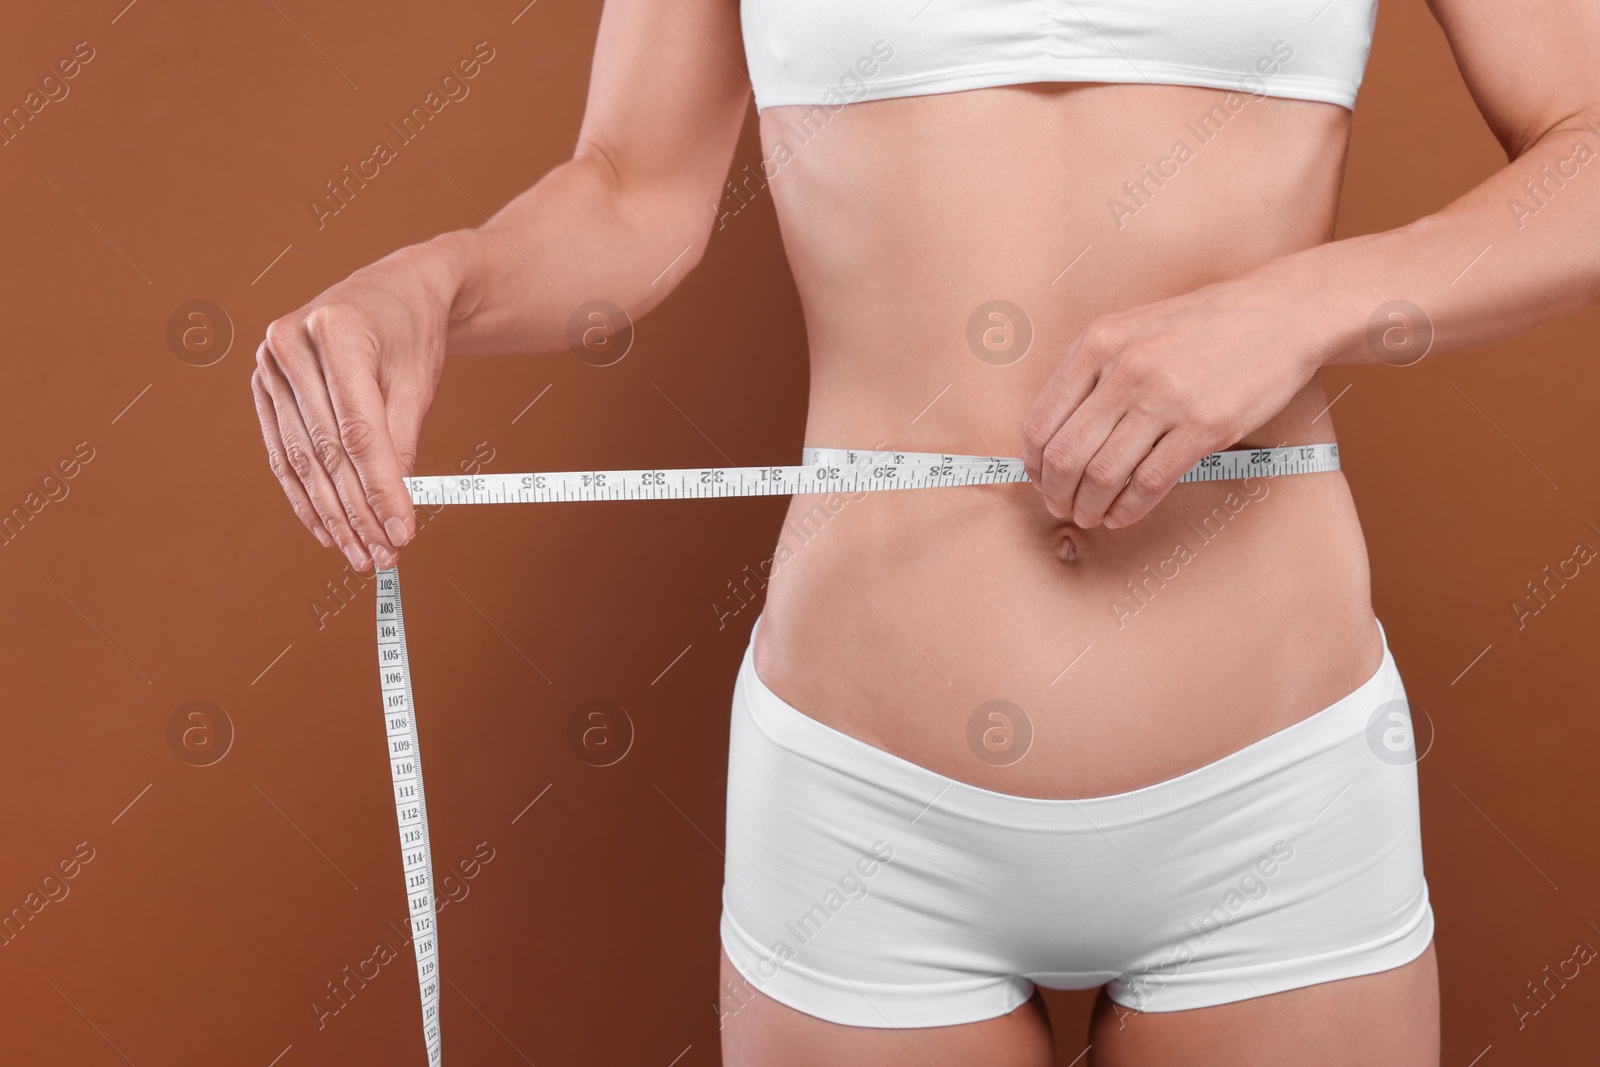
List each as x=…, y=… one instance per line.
x=867, y=890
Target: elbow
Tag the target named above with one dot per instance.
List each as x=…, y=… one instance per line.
x=1580, y=121
x=673, y=231
x=668, y=220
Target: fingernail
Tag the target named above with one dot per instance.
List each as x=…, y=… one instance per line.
x=322, y=536
x=1109, y=523
x=396, y=529
x=383, y=556
x=357, y=558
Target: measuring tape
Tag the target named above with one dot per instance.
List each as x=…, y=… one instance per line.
x=410, y=802
x=825, y=470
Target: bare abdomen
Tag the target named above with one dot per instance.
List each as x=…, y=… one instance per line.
x=1132, y=655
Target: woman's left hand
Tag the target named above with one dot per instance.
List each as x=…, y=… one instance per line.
x=1143, y=394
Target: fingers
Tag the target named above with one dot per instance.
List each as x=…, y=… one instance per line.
x=1107, y=472
x=299, y=454
x=287, y=478
x=1066, y=455
x=1118, y=424
x=1067, y=388
x=1072, y=416
x=1172, y=457
x=363, y=422
x=331, y=365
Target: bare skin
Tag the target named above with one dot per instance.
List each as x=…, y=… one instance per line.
x=952, y=599
x=1200, y=322
x=1369, y=1020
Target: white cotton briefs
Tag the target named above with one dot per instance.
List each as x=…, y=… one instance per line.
x=833, y=52
x=867, y=890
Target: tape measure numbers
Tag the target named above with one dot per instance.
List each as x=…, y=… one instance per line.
x=410, y=802
x=825, y=470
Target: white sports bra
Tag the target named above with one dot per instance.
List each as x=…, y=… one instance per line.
x=833, y=52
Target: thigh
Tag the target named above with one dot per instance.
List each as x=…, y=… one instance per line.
x=758, y=1031
x=1390, y=1018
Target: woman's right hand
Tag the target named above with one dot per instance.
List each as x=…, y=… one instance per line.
x=341, y=386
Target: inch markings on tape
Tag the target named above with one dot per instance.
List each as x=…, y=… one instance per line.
x=824, y=470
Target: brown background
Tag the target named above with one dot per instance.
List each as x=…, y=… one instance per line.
x=221, y=901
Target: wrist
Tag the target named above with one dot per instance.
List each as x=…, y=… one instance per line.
x=446, y=267
x=1329, y=314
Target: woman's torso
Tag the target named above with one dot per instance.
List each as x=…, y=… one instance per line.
x=895, y=616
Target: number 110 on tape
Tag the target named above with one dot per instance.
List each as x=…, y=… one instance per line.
x=410, y=802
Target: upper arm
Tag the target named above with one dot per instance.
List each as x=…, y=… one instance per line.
x=667, y=97
x=1529, y=64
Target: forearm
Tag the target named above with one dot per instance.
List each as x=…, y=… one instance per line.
x=1519, y=249
x=514, y=283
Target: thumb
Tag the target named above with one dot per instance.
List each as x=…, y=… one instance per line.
x=404, y=409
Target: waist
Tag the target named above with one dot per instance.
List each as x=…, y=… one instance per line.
x=1230, y=611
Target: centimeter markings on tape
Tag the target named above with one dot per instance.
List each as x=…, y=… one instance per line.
x=825, y=470
x=410, y=802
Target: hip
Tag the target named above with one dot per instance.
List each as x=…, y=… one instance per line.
x=852, y=874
